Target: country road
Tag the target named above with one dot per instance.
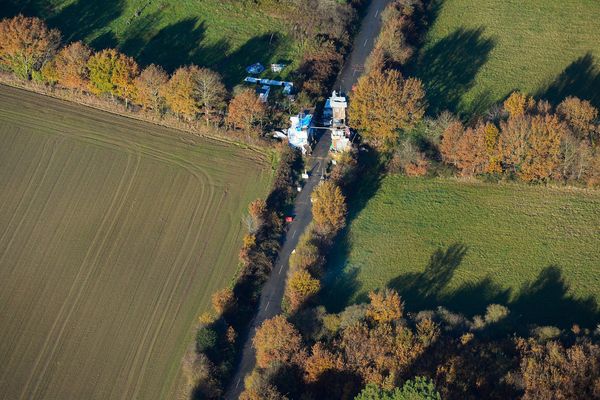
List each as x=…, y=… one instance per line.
x=273, y=290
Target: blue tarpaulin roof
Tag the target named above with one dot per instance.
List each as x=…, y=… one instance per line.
x=255, y=68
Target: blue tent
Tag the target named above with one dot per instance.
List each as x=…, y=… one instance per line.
x=255, y=69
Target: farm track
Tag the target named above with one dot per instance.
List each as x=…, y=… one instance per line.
x=114, y=234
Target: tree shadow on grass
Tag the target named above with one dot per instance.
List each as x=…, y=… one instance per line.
x=544, y=301
x=448, y=68
x=340, y=281
x=179, y=44
x=423, y=289
x=260, y=48
x=581, y=78
x=85, y=19
x=174, y=45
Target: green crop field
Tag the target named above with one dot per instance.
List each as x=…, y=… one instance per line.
x=113, y=235
x=477, y=52
x=224, y=35
x=466, y=245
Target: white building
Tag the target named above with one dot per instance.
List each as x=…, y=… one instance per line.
x=299, y=131
x=335, y=110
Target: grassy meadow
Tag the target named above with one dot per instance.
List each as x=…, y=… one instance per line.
x=226, y=36
x=465, y=245
x=113, y=235
x=477, y=52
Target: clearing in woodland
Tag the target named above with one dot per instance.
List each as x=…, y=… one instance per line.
x=465, y=245
x=113, y=235
x=477, y=52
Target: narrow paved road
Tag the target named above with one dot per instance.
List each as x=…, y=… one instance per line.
x=272, y=293
x=362, y=46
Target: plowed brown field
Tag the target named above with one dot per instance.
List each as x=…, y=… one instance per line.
x=113, y=235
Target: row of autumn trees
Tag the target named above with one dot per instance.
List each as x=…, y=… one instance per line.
x=32, y=51
x=378, y=351
x=529, y=140
x=307, y=262
x=208, y=368
x=524, y=139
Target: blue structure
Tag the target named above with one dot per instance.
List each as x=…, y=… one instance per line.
x=255, y=69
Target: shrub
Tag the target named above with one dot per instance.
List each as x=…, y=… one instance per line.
x=206, y=341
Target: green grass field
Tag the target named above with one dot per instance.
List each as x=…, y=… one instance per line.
x=466, y=245
x=477, y=52
x=224, y=35
x=113, y=235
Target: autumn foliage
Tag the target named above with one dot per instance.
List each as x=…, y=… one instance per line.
x=328, y=208
x=276, y=340
x=533, y=143
x=383, y=104
x=148, y=87
x=246, y=111
x=70, y=66
x=26, y=44
x=32, y=51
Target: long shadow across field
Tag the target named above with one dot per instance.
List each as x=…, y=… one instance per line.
x=340, y=281
x=172, y=46
x=543, y=301
x=448, y=68
x=581, y=78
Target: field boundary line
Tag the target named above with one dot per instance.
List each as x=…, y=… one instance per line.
x=133, y=116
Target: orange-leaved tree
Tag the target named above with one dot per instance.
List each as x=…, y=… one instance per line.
x=581, y=117
x=383, y=104
x=181, y=92
x=328, y=208
x=223, y=300
x=26, y=44
x=385, y=306
x=123, y=77
x=246, y=110
x=71, y=66
x=276, y=340
x=543, y=154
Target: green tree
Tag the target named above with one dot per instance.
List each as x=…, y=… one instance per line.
x=418, y=389
x=101, y=67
